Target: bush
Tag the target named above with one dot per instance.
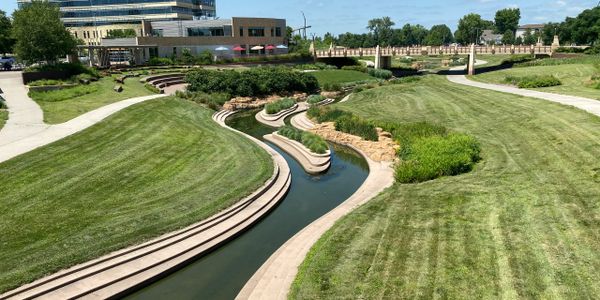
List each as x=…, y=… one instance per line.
x=515, y=59
x=214, y=101
x=435, y=156
x=534, y=81
x=356, y=126
x=152, y=88
x=380, y=73
x=326, y=114
x=64, y=94
x=313, y=142
x=315, y=66
x=252, y=82
x=160, y=61
x=72, y=69
x=49, y=82
x=314, y=99
x=332, y=87
x=356, y=68
x=3, y=103
x=277, y=106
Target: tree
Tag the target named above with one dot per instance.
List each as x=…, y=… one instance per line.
x=40, y=34
x=585, y=28
x=549, y=31
x=381, y=28
x=469, y=27
x=121, y=33
x=508, y=38
x=6, y=40
x=328, y=39
x=507, y=19
x=439, y=35
x=519, y=41
x=529, y=37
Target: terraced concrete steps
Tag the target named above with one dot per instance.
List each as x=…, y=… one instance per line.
x=277, y=120
x=312, y=163
x=302, y=122
x=116, y=273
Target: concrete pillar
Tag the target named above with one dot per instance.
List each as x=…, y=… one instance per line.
x=377, y=57
x=471, y=66
x=555, y=44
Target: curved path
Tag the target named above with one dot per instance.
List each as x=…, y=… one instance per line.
x=116, y=273
x=590, y=105
x=274, y=279
x=25, y=129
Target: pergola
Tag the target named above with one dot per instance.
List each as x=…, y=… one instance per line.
x=99, y=55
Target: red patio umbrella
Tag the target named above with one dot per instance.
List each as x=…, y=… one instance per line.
x=239, y=48
x=270, y=47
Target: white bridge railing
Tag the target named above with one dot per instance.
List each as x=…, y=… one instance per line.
x=429, y=50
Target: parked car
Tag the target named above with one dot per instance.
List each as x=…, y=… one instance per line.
x=6, y=62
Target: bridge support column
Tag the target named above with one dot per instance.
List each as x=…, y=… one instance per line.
x=471, y=65
x=378, y=57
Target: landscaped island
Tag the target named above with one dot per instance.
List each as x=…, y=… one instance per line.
x=149, y=169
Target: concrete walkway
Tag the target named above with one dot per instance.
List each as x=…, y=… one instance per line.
x=590, y=105
x=25, y=129
x=274, y=279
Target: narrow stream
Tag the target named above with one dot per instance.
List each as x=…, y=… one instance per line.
x=222, y=273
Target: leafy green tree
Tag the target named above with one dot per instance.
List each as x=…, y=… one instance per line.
x=6, y=40
x=585, y=28
x=519, y=41
x=329, y=39
x=549, y=31
x=507, y=19
x=40, y=34
x=508, y=38
x=469, y=27
x=121, y=33
x=530, y=37
x=439, y=35
x=381, y=28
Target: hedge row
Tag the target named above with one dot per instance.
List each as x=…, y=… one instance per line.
x=315, y=143
x=314, y=99
x=252, y=82
x=534, y=81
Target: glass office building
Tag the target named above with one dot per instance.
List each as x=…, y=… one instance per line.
x=84, y=13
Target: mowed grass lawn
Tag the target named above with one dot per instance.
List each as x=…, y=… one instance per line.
x=56, y=112
x=573, y=77
x=149, y=169
x=340, y=76
x=524, y=224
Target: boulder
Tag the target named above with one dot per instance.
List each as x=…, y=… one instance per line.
x=118, y=88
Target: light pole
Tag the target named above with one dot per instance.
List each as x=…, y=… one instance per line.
x=304, y=17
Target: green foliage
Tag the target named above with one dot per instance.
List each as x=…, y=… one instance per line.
x=381, y=73
x=63, y=94
x=314, y=99
x=517, y=59
x=6, y=40
x=71, y=69
x=357, y=126
x=40, y=34
x=160, y=61
x=469, y=27
x=313, y=142
x=121, y=33
x=403, y=80
x=560, y=61
x=326, y=114
x=214, y=101
x=508, y=38
x=152, y=88
x=381, y=29
x=279, y=105
x=332, y=87
x=355, y=68
x=315, y=66
x=533, y=81
x=48, y=82
x=439, y=35
x=438, y=155
x=252, y=82
x=507, y=20
x=406, y=133
x=3, y=103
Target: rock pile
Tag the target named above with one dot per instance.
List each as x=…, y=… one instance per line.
x=383, y=150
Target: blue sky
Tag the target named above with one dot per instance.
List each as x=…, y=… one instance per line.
x=339, y=16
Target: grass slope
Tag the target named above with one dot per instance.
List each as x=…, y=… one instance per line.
x=340, y=76
x=524, y=224
x=56, y=112
x=149, y=169
x=572, y=76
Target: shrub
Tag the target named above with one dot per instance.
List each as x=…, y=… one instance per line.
x=277, y=106
x=71, y=69
x=252, y=82
x=313, y=142
x=357, y=126
x=535, y=81
x=356, y=68
x=213, y=101
x=3, y=103
x=160, y=61
x=315, y=66
x=326, y=114
x=380, y=73
x=314, y=99
x=437, y=156
x=49, y=82
x=332, y=87
x=515, y=59
x=152, y=88
x=64, y=94
x=358, y=89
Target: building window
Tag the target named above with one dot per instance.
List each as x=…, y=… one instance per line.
x=256, y=31
x=278, y=31
x=210, y=31
x=241, y=31
x=84, y=35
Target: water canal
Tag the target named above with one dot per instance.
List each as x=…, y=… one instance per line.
x=222, y=273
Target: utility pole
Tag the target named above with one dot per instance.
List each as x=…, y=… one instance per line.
x=304, y=16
